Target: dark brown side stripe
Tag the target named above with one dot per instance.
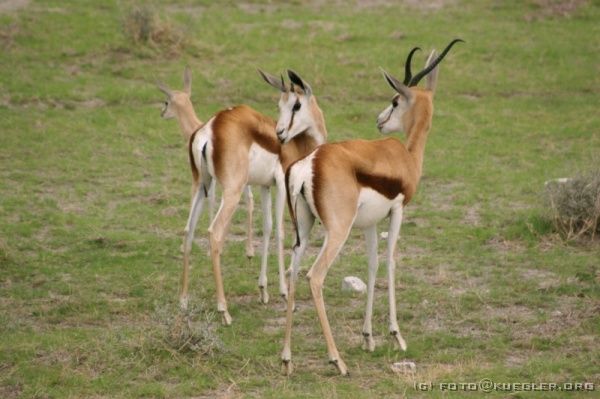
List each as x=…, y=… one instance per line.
x=386, y=186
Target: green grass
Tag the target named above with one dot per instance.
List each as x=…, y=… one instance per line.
x=94, y=190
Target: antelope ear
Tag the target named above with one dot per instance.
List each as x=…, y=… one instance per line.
x=279, y=84
x=300, y=82
x=162, y=87
x=187, y=80
x=400, y=87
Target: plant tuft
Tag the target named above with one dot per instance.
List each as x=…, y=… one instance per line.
x=575, y=205
x=144, y=27
x=192, y=330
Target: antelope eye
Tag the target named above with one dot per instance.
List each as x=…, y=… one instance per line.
x=394, y=103
x=166, y=103
x=296, y=107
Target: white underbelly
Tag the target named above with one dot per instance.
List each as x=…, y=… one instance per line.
x=263, y=166
x=373, y=207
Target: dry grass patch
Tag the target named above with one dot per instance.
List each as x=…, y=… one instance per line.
x=192, y=330
x=546, y=9
x=144, y=27
x=575, y=205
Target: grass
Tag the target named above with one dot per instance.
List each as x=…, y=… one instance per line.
x=94, y=191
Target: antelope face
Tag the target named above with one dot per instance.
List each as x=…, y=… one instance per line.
x=168, y=111
x=390, y=119
x=176, y=98
x=294, y=116
x=294, y=105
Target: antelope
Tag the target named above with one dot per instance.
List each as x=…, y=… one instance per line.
x=179, y=105
x=359, y=183
x=238, y=147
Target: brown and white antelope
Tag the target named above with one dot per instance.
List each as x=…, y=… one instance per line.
x=237, y=147
x=179, y=105
x=359, y=183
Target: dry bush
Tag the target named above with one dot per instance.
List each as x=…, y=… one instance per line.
x=143, y=26
x=192, y=330
x=575, y=205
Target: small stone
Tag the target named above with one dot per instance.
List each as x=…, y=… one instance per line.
x=560, y=180
x=352, y=283
x=384, y=235
x=404, y=367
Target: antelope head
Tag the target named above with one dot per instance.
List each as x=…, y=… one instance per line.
x=176, y=99
x=298, y=110
x=391, y=119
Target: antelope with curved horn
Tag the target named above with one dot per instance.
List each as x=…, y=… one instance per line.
x=359, y=183
x=179, y=105
x=237, y=147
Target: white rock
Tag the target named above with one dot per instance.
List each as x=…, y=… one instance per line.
x=384, y=235
x=352, y=283
x=560, y=180
x=404, y=367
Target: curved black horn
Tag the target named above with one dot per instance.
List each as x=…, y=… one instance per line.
x=407, y=72
x=415, y=80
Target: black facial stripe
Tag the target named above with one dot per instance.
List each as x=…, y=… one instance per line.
x=295, y=109
x=388, y=117
x=291, y=120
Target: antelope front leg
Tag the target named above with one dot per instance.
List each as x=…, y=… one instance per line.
x=304, y=222
x=249, y=222
x=371, y=240
x=195, y=211
x=217, y=231
x=394, y=231
x=265, y=198
x=279, y=208
x=212, y=193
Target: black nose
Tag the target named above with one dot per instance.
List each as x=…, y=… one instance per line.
x=280, y=132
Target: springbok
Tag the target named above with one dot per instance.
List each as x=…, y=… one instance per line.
x=179, y=105
x=359, y=183
x=237, y=147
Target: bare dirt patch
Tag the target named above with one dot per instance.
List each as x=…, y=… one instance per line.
x=7, y=6
x=222, y=392
x=471, y=216
x=505, y=246
x=542, y=278
x=554, y=9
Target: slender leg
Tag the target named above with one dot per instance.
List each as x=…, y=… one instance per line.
x=305, y=221
x=195, y=211
x=334, y=241
x=249, y=222
x=371, y=240
x=395, y=222
x=265, y=198
x=280, y=200
x=212, y=192
x=217, y=231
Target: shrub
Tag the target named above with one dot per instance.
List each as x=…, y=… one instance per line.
x=143, y=26
x=192, y=330
x=575, y=205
